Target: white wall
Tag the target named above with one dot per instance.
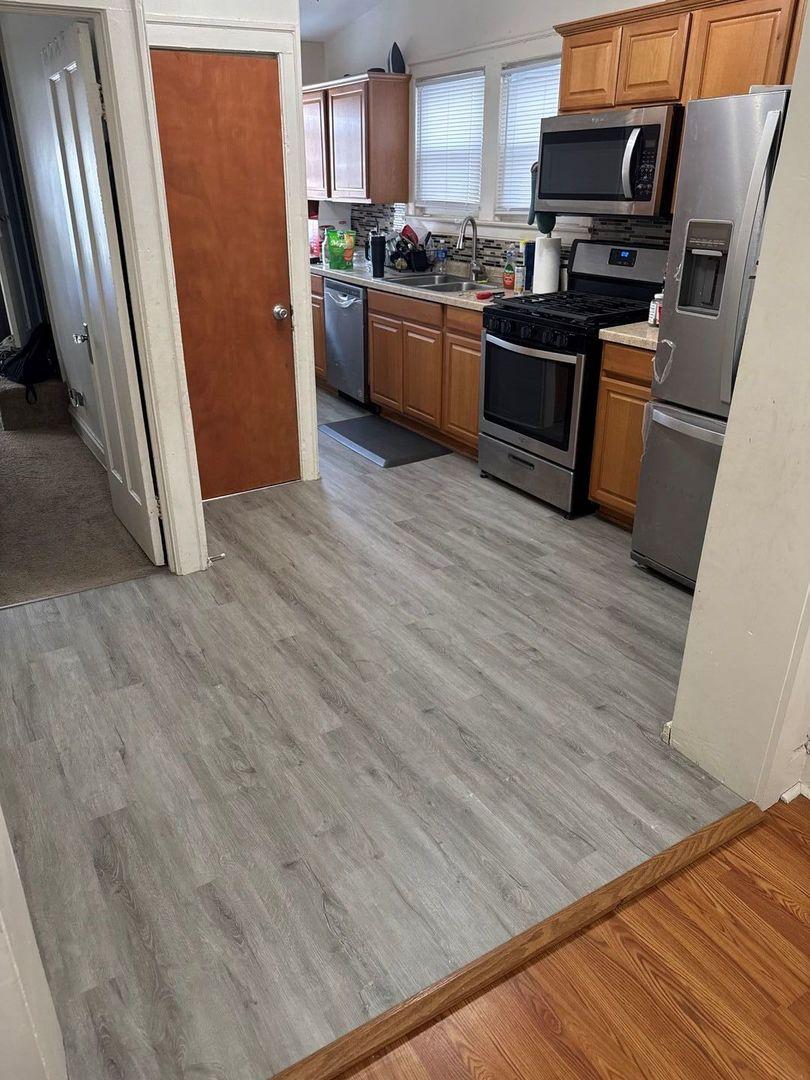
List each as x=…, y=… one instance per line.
x=31, y=1045
x=23, y=37
x=313, y=62
x=428, y=30
x=743, y=704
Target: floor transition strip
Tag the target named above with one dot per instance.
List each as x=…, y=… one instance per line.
x=378, y=1035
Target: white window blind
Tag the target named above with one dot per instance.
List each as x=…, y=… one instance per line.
x=449, y=142
x=528, y=93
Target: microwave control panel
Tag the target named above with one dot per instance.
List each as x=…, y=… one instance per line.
x=644, y=174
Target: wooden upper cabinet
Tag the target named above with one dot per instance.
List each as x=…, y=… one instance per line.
x=590, y=62
x=736, y=46
x=315, y=144
x=348, y=154
x=795, y=40
x=652, y=59
x=359, y=129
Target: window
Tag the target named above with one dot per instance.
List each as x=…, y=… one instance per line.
x=449, y=142
x=528, y=93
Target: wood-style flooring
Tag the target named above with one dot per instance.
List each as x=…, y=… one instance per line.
x=705, y=976
x=409, y=715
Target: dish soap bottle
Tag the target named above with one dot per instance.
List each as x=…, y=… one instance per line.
x=509, y=270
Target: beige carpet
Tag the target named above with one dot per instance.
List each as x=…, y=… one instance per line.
x=58, y=532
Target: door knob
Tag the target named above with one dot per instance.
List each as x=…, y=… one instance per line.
x=81, y=338
x=280, y=312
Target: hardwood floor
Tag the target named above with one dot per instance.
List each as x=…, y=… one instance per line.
x=706, y=975
x=409, y=715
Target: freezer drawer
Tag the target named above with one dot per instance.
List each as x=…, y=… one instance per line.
x=345, y=324
x=678, y=470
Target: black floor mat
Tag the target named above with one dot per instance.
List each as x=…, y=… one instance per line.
x=382, y=442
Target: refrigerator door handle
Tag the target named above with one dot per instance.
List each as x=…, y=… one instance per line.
x=683, y=427
x=627, y=161
x=756, y=190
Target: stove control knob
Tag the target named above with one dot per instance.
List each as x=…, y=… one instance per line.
x=547, y=337
x=526, y=333
x=506, y=327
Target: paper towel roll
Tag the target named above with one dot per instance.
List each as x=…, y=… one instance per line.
x=546, y=264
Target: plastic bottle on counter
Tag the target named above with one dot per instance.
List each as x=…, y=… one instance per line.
x=509, y=269
x=654, y=318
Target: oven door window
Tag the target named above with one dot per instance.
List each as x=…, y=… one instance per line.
x=529, y=392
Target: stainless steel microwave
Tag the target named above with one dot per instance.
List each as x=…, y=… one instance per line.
x=619, y=162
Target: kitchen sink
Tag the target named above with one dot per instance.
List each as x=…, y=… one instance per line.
x=463, y=286
x=428, y=281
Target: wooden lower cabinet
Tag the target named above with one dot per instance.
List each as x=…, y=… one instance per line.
x=422, y=373
x=318, y=325
x=624, y=390
x=424, y=366
x=385, y=352
x=460, y=390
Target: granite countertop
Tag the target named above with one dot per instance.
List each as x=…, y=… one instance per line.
x=638, y=334
x=393, y=283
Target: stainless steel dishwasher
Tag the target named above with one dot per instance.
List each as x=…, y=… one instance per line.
x=345, y=320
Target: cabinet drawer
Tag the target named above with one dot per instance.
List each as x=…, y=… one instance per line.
x=464, y=320
x=625, y=362
x=403, y=307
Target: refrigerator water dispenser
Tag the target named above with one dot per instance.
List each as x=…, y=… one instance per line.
x=704, y=267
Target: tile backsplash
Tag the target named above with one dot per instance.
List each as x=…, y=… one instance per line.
x=492, y=251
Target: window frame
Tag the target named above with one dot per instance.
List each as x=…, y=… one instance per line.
x=537, y=48
x=499, y=212
x=445, y=210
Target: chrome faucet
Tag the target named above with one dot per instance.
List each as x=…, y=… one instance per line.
x=475, y=266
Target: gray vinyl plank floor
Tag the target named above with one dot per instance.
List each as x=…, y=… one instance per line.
x=411, y=713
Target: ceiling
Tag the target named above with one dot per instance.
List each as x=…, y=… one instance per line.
x=320, y=19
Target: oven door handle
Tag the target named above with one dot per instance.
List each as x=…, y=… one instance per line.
x=562, y=358
x=627, y=161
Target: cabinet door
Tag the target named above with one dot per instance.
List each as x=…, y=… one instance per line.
x=319, y=333
x=385, y=361
x=618, y=444
x=795, y=40
x=590, y=62
x=315, y=144
x=461, y=381
x=348, y=141
x=652, y=59
x=422, y=373
x=735, y=46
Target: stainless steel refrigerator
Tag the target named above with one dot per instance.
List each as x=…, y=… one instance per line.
x=727, y=158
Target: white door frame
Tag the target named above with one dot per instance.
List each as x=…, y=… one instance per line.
x=122, y=42
x=282, y=40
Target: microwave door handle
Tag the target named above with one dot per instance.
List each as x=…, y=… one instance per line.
x=742, y=249
x=532, y=202
x=627, y=161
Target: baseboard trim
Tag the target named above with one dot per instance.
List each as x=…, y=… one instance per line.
x=379, y=1034
x=801, y=788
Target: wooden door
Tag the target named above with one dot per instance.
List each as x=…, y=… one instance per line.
x=219, y=117
x=460, y=390
x=735, y=46
x=652, y=60
x=319, y=334
x=422, y=373
x=385, y=361
x=348, y=141
x=106, y=331
x=590, y=63
x=315, y=144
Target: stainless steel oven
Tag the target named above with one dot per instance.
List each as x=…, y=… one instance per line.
x=619, y=162
x=531, y=398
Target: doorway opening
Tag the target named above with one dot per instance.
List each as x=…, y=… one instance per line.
x=77, y=486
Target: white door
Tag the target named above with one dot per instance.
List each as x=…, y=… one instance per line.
x=106, y=332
